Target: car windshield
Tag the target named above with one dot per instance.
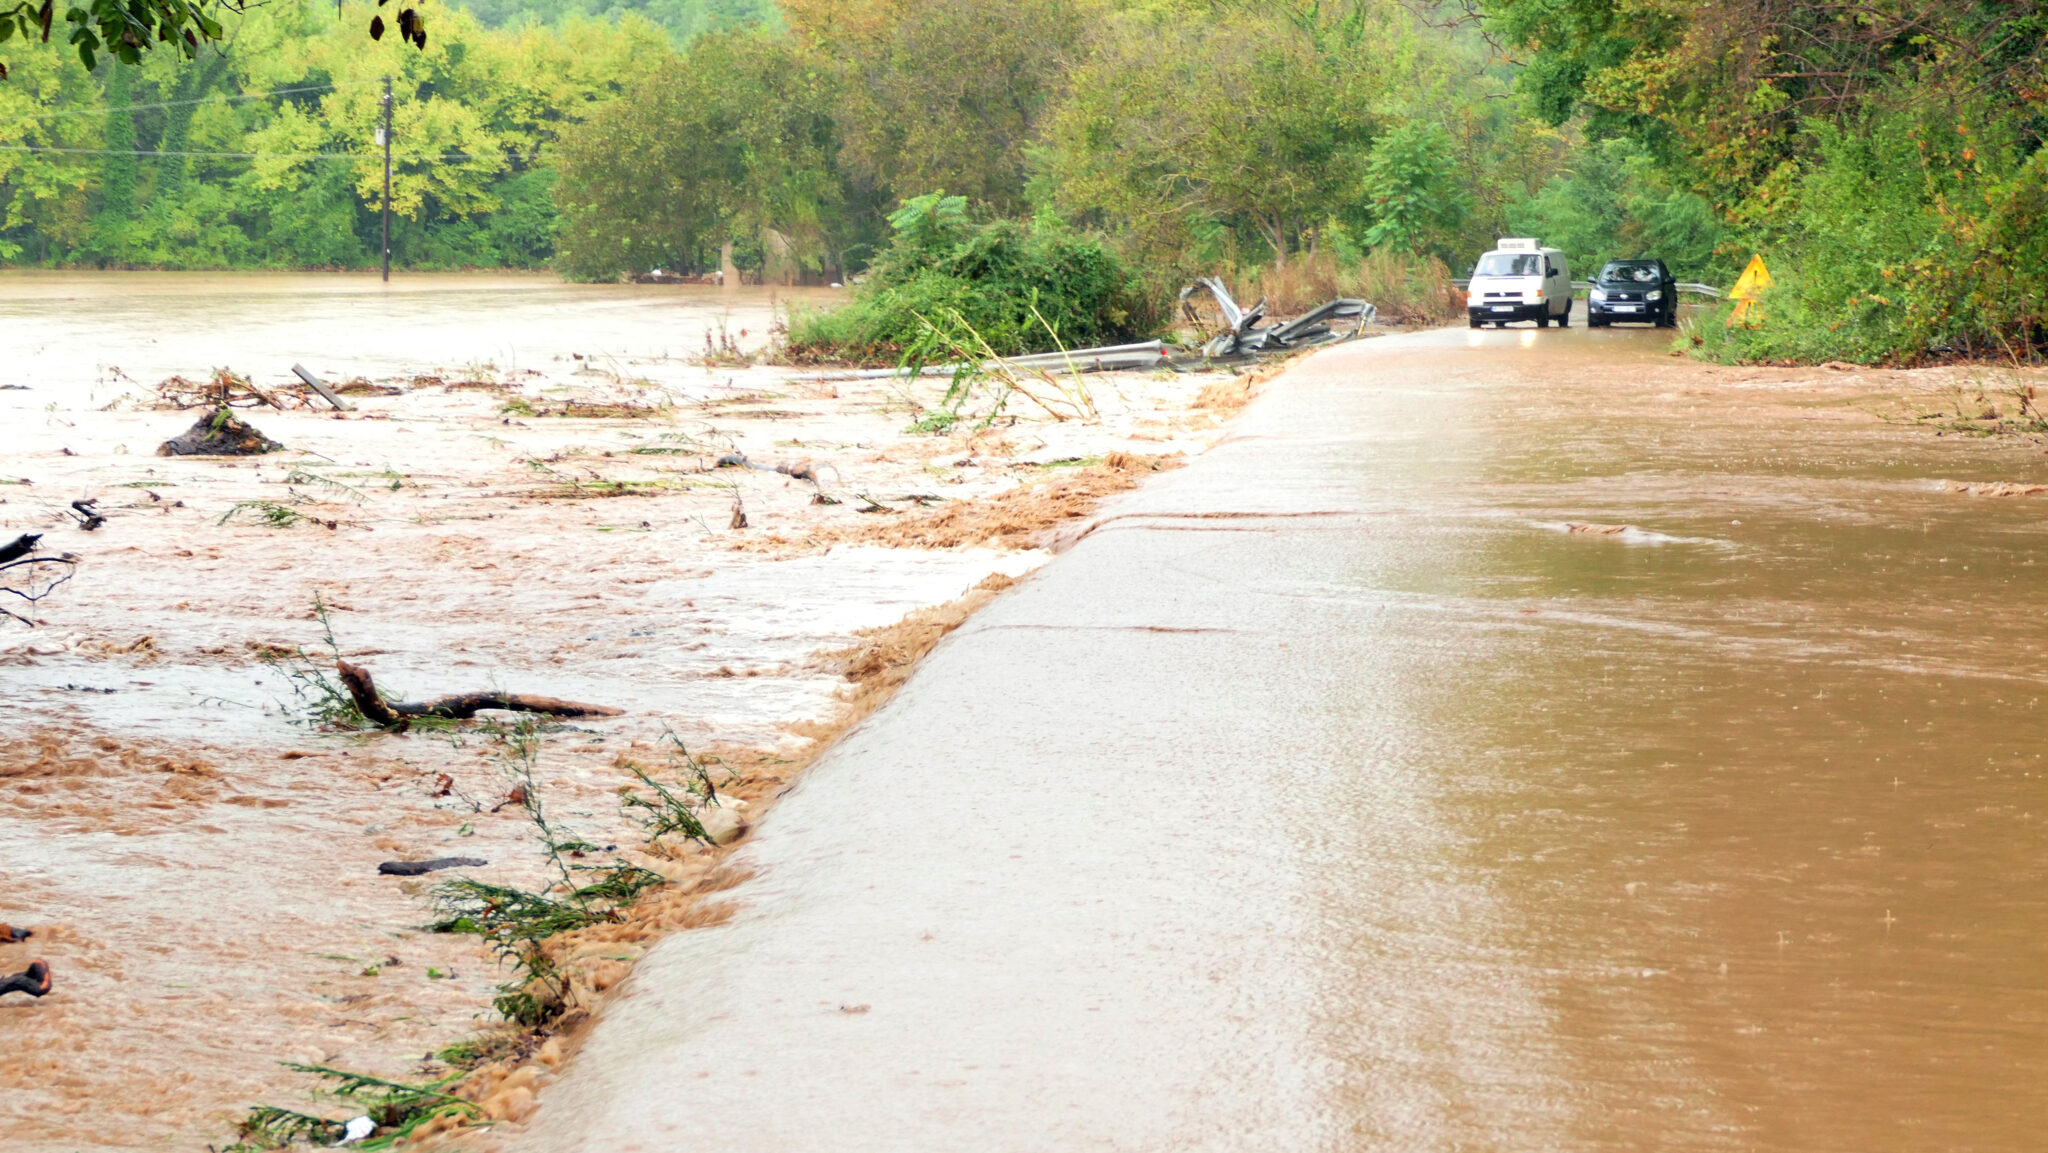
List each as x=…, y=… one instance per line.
x=1631, y=273
x=1510, y=264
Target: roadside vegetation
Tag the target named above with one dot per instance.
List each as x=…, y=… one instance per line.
x=1886, y=157
x=1082, y=159
x=1008, y=285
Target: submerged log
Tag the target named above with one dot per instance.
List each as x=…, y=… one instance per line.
x=459, y=706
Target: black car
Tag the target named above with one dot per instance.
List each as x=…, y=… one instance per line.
x=1633, y=290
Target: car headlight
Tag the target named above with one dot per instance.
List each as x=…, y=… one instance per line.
x=1598, y=296
x=1656, y=294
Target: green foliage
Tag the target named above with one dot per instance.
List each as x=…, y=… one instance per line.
x=1912, y=234
x=1182, y=130
x=1885, y=161
x=519, y=922
x=1020, y=287
x=396, y=1108
x=1614, y=202
x=930, y=221
x=683, y=19
x=125, y=28
x=738, y=144
x=121, y=168
x=268, y=512
x=667, y=810
x=318, y=697
x=475, y=117
x=1411, y=181
x=942, y=95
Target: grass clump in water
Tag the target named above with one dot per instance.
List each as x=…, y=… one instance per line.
x=318, y=698
x=394, y=1107
x=519, y=922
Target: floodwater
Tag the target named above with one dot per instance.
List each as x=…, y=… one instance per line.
x=199, y=862
x=1513, y=740
x=113, y=329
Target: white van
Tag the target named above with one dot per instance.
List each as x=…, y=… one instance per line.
x=1519, y=280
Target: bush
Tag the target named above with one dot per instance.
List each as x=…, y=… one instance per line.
x=1919, y=234
x=1023, y=287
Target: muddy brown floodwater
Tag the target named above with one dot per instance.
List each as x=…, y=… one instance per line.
x=96, y=335
x=525, y=496
x=1514, y=740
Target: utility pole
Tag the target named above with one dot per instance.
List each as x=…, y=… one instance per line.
x=384, y=138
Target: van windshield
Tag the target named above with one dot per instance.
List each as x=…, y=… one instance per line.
x=1510, y=264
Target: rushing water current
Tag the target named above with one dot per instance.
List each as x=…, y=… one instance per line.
x=117, y=330
x=1504, y=740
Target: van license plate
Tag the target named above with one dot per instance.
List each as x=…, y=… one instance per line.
x=1503, y=308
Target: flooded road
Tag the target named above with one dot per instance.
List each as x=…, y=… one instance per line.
x=1504, y=740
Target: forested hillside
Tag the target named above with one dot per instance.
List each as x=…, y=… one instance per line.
x=1886, y=156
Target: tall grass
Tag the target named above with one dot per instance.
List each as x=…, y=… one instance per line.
x=1406, y=289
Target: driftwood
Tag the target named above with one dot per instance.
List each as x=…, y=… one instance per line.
x=29, y=576
x=460, y=706
x=415, y=868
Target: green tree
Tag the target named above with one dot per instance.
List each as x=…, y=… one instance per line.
x=1412, y=185
x=120, y=169
x=1178, y=126
x=941, y=95
x=738, y=142
x=477, y=114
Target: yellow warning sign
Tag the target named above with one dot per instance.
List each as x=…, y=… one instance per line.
x=1749, y=290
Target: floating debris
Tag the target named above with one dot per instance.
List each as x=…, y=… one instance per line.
x=415, y=868
x=221, y=434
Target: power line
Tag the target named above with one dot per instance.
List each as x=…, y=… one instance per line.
x=444, y=158
x=102, y=110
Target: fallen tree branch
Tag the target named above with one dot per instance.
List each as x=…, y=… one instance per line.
x=459, y=706
x=41, y=574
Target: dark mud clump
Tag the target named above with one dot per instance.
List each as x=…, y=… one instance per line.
x=220, y=434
